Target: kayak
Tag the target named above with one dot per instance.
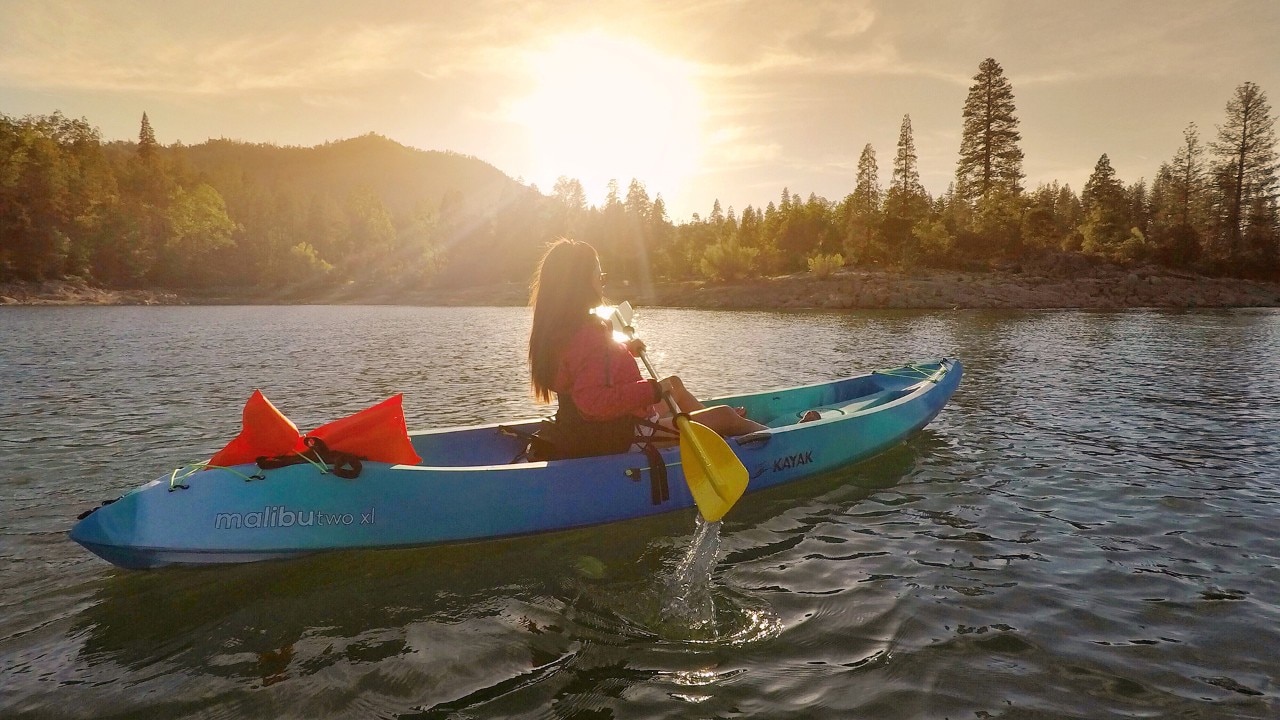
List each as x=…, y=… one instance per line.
x=475, y=485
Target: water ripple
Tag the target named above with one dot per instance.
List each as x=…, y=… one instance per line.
x=1086, y=531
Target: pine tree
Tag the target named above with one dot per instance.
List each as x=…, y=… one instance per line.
x=1246, y=165
x=1179, y=220
x=906, y=203
x=990, y=158
x=146, y=140
x=1105, y=210
x=1102, y=187
x=862, y=208
x=906, y=172
x=1137, y=218
x=1040, y=226
x=1139, y=202
x=1261, y=242
x=716, y=217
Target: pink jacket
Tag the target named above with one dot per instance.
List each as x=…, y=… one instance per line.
x=601, y=376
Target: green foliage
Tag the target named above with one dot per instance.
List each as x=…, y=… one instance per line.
x=1101, y=236
x=1050, y=215
x=727, y=260
x=306, y=264
x=198, y=226
x=998, y=220
x=1135, y=247
x=937, y=244
x=802, y=229
x=56, y=190
x=822, y=266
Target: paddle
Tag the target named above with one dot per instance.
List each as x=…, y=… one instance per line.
x=716, y=477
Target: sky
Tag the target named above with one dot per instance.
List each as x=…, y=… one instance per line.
x=699, y=100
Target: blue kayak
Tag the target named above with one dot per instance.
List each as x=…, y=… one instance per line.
x=474, y=489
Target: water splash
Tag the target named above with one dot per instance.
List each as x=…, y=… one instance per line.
x=688, y=600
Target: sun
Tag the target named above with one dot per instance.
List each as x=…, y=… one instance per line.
x=604, y=108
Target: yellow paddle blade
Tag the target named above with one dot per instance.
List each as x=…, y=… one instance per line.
x=716, y=477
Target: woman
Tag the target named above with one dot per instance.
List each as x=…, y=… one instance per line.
x=604, y=403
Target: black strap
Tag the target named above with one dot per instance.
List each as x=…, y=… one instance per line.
x=659, y=490
x=344, y=465
x=536, y=446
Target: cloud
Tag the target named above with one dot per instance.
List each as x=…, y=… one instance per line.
x=115, y=48
x=737, y=147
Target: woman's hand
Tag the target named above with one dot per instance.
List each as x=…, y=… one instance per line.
x=636, y=346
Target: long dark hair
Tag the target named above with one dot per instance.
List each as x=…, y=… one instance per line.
x=562, y=294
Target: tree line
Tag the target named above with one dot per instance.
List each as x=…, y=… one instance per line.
x=369, y=210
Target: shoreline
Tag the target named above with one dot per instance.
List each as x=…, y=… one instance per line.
x=1108, y=288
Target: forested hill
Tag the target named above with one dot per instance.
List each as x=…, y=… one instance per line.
x=369, y=212
x=225, y=213
x=403, y=178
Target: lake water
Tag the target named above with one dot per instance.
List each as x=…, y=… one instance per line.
x=1088, y=530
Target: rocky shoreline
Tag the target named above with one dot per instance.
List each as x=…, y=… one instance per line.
x=80, y=292
x=1104, y=287
x=1144, y=288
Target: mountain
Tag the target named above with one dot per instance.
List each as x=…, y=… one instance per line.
x=401, y=176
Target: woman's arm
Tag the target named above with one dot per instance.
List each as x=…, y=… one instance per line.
x=606, y=382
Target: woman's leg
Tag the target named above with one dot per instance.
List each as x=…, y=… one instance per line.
x=687, y=402
x=723, y=419
x=684, y=399
x=726, y=421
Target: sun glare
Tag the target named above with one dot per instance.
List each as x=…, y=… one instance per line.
x=603, y=108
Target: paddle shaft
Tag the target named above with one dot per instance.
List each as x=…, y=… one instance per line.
x=622, y=321
x=666, y=395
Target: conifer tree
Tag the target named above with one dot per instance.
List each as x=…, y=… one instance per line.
x=1105, y=210
x=1041, y=225
x=1179, y=220
x=1188, y=180
x=990, y=159
x=716, y=217
x=1246, y=165
x=146, y=140
x=1261, y=241
x=906, y=203
x=1102, y=187
x=906, y=172
x=862, y=207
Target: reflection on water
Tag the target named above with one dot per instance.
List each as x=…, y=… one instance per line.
x=1086, y=531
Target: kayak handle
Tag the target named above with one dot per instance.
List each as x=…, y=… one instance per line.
x=756, y=438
